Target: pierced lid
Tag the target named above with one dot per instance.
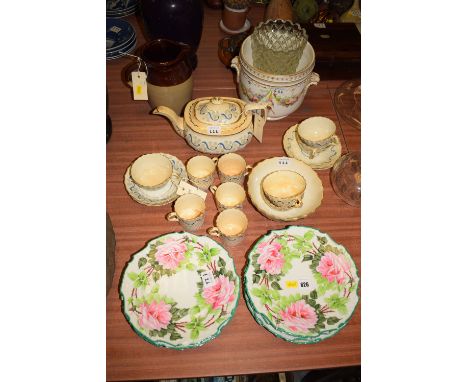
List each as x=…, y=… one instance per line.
x=217, y=115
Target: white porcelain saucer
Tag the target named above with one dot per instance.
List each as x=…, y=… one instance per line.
x=157, y=198
x=313, y=193
x=322, y=161
x=230, y=31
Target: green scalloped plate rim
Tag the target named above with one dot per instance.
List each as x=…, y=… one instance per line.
x=251, y=307
x=161, y=343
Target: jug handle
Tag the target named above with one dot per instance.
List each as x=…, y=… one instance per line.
x=235, y=66
x=128, y=73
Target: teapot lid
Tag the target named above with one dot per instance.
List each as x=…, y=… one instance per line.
x=217, y=115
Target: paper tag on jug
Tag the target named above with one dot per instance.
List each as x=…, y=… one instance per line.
x=140, y=90
x=185, y=188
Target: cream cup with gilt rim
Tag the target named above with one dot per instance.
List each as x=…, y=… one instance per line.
x=152, y=172
x=232, y=167
x=230, y=226
x=315, y=134
x=189, y=211
x=228, y=195
x=201, y=171
x=284, y=189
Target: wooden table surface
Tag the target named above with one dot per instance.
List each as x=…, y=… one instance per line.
x=244, y=346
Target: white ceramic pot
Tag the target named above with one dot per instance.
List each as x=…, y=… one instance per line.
x=283, y=93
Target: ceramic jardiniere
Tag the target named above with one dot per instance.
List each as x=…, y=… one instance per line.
x=283, y=93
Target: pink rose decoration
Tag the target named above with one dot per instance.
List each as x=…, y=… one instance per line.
x=171, y=253
x=155, y=316
x=220, y=293
x=270, y=259
x=299, y=317
x=333, y=267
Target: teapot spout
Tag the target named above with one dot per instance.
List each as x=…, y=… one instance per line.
x=176, y=121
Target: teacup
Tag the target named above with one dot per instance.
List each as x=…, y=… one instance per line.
x=189, y=211
x=232, y=168
x=284, y=189
x=201, y=171
x=228, y=195
x=152, y=172
x=315, y=134
x=231, y=225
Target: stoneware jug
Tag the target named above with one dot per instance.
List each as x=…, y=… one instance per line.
x=177, y=20
x=169, y=80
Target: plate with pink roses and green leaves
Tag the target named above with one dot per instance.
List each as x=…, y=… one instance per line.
x=180, y=290
x=300, y=284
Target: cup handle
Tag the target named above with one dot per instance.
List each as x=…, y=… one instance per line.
x=248, y=168
x=299, y=203
x=213, y=189
x=235, y=66
x=215, y=160
x=214, y=231
x=172, y=217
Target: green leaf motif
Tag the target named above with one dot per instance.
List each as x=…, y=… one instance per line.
x=337, y=303
x=314, y=294
x=221, y=261
x=332, y=320
x=323, y=284
x=255, y=278
x=214, y=252
x=266, y=296
x=194, y=334
x=141, y=262
x=309, y=235
x=175, y=336
x=141, y=280
x=132, y=276
x=194, y=310
x=190, y=267
x=275, y=285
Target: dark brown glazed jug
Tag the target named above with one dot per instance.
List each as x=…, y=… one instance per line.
x=169, y=80
x=177, y=20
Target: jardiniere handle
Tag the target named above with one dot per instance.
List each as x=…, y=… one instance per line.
x=235, y=66
x=314, y=79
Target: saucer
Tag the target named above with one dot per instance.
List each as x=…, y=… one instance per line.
x=313, y=193
x=230, y=31
x=156, y=198
x=322, y=161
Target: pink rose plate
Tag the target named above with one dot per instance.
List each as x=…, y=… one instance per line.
x=180, y=290
x=300, y=284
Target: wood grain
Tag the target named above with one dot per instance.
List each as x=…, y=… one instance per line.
x=243, y=347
